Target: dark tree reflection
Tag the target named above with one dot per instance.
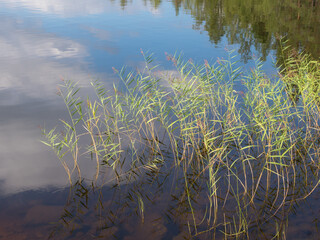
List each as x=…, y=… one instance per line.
x=256, y=23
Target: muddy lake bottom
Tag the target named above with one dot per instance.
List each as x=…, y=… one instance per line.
x=38, y=215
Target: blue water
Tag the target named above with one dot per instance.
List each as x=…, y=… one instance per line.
x=44, y=41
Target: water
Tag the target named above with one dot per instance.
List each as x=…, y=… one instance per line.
x=45, y=41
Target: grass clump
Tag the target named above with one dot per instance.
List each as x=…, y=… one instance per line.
x=229, y=150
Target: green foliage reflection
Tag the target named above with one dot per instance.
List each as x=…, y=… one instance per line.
x=257, y=23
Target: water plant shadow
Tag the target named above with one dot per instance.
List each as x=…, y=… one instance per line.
x=192, y=152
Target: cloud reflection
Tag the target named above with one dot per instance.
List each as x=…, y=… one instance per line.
x=80, y=7
x=31, y=64
x=33, y=61
x=60, y=7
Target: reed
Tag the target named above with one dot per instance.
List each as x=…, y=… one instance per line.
x=242, y=147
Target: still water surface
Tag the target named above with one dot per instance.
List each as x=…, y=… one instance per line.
x=44, y=41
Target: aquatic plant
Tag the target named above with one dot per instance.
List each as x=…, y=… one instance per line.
x=229, y=150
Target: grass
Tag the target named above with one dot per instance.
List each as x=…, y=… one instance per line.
x=233, y=150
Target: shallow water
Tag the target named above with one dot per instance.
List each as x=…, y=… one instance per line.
x=42, y=42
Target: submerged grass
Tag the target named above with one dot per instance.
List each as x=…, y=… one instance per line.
x=238, y=148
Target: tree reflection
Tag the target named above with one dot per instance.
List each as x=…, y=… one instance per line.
x=256, y=23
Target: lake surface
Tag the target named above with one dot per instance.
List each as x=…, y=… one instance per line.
x=45, y=41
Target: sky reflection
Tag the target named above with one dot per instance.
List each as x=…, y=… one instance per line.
x=67, y=9
x=33, y=61
x=43, y=42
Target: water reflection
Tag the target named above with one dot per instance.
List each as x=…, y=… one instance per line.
x=114, y=213
x=37, y=50
x=69, y=9
x=105, y=213
x=44, y=41
x=249, y=23
x=258, y=24
x=32, y=62
x=243, y=22
x=217, y=173
x=31, y=59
